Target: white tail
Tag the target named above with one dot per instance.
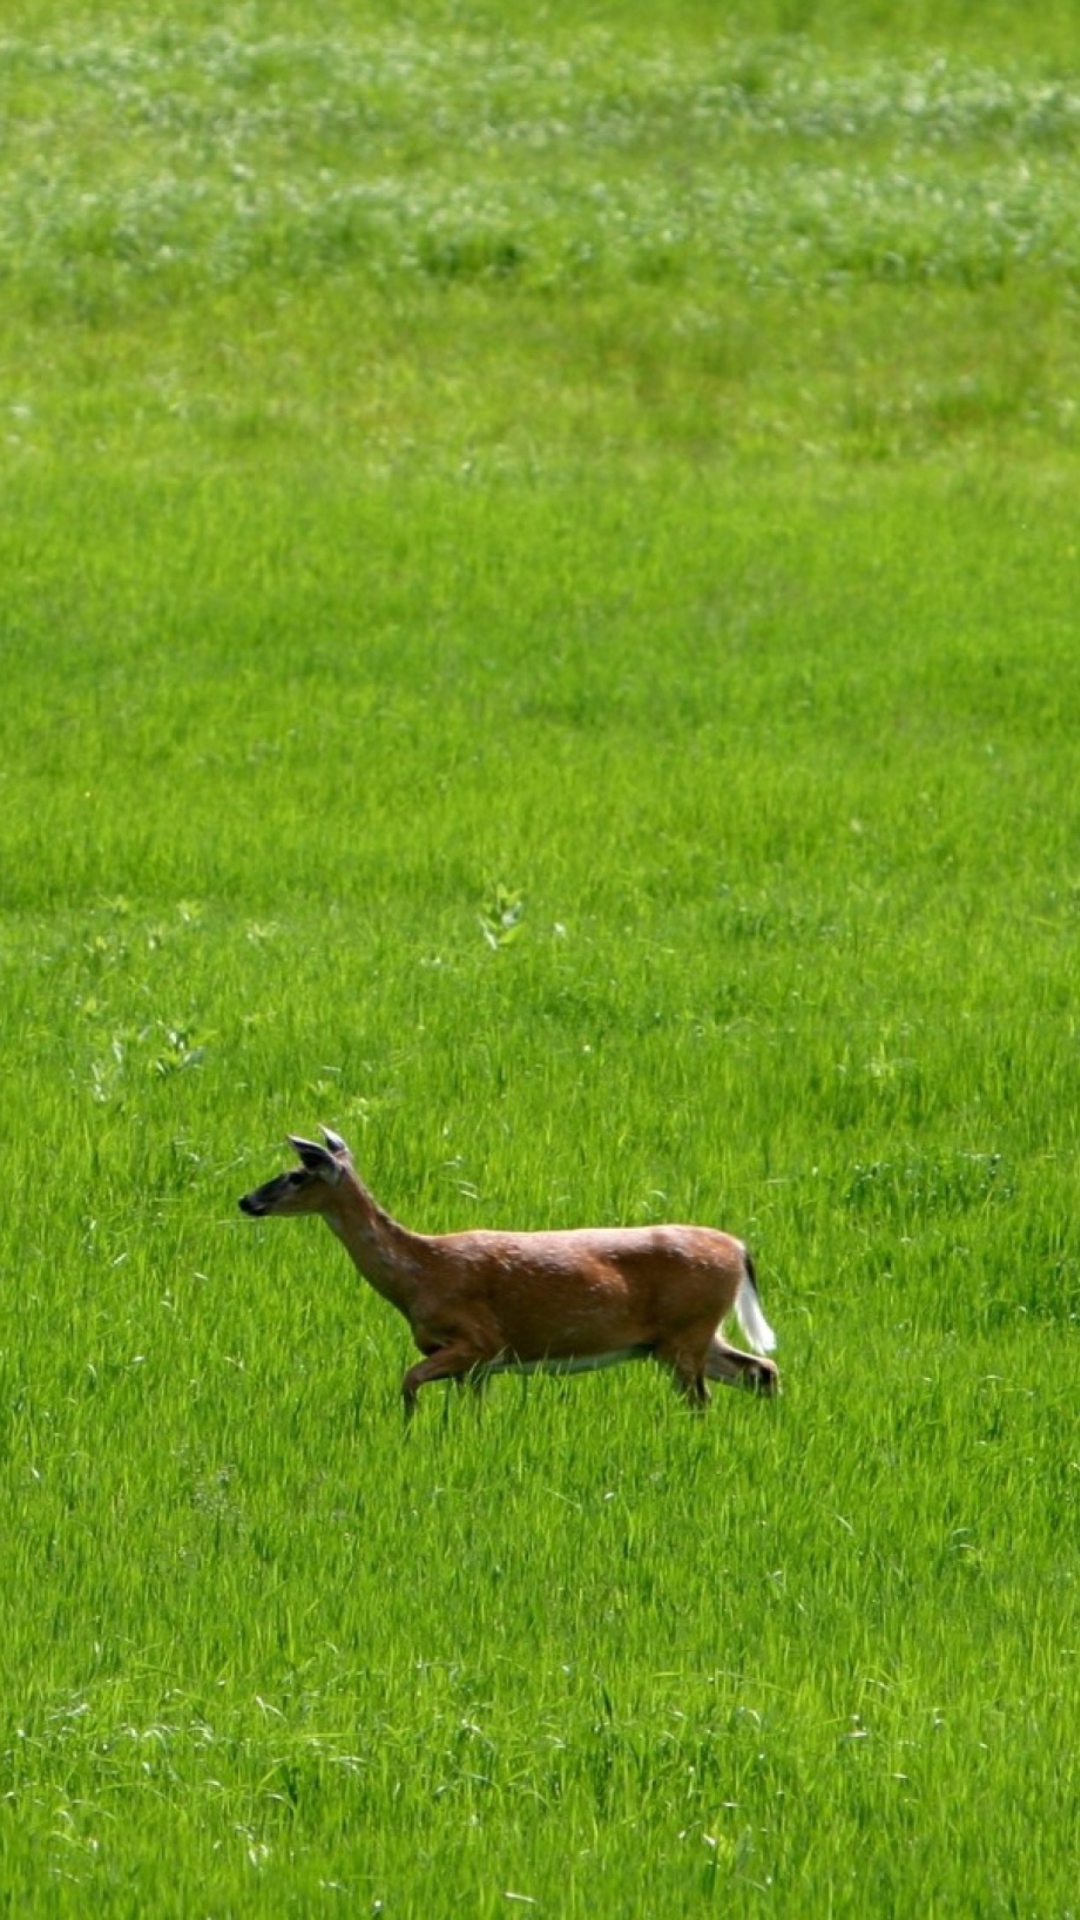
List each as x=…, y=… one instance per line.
x=481, y=1303
x=756, y=1329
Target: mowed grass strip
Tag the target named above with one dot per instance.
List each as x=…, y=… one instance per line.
x=444, y=238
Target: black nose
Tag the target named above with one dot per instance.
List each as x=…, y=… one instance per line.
x=249, y=1204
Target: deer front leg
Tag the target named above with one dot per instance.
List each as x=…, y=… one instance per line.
x=446, y=1363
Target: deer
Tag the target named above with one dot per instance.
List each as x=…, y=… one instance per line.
x=570, y=1300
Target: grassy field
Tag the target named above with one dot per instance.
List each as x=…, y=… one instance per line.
x=538, y=599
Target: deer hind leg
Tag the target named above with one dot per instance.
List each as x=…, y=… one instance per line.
x=685, y=1360
x=738, y=1369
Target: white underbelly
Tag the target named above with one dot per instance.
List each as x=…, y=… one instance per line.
x=570, y=1363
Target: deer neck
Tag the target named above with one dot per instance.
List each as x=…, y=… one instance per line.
x=385, y=1252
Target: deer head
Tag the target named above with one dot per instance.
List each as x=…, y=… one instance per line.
x=308, y=1188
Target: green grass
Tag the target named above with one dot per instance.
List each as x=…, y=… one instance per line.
x=621, y=476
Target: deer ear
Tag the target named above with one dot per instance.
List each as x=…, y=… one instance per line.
x=335, y=1142
x=316, y=1159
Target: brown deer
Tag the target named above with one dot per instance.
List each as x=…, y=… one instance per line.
x=486, y=1302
